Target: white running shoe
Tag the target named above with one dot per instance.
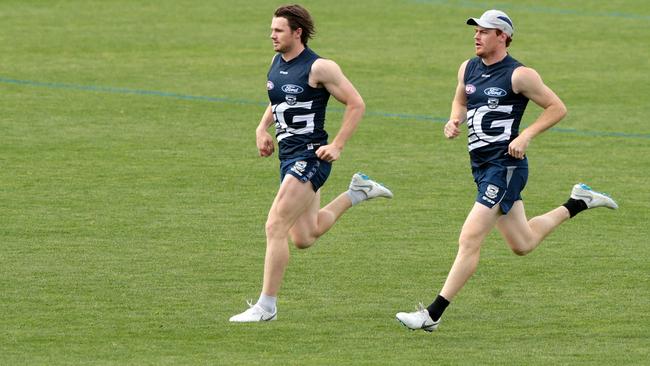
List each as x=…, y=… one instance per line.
x=255, y=313
x=372, y=189
x=592, y=198
x=419, y=319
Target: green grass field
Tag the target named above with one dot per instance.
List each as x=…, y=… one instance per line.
x=132, y=200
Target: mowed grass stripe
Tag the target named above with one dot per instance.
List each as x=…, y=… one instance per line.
x=115, y=90
x=132, y=226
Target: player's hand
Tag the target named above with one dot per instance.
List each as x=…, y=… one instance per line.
x=517, y=148
x=452, y=128
x=328, y=153
x=264, y=144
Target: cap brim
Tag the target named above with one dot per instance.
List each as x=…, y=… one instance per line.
x=476, y=21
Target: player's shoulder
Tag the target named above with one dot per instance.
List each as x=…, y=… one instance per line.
x=324, y=69
x=525, y=72
x=523, y=77
x=274, y=59
x=463, y=65
x=324, y=64
x=462, y=68
x=519, y=70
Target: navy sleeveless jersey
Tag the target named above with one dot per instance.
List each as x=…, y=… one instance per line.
x=494, y=110
x=298, y=109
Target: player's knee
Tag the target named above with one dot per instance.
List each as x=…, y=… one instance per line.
x=468, y=245
x=303, y=242
x=520, y=250
x=275, y=228
x=303, y=236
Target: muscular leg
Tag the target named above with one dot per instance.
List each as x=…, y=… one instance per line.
x=477, y=226
x=292, y=200
x=316, y=221
x=524, y=236
x=521, y=235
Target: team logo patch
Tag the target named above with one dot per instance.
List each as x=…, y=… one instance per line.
x=299, y=167
x=290, y=98
x=292, y=89
x=494, y=91
x=269, y=85
x=493, y=103
x=492, y=191
x=470, y=89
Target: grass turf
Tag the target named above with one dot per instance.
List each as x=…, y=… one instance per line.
x=133, y=203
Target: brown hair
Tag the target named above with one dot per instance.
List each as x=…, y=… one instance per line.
x=298, y=17
x=508, y=40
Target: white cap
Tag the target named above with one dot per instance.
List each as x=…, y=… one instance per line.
x=494, y=19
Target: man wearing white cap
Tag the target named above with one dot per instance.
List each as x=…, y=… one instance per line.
x=492, y=93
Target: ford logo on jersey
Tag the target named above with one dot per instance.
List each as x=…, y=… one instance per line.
x=292, y=89
x=495, y=92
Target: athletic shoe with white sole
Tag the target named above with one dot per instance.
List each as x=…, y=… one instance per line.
x=592, y=198
x=419, y=319
x=363, y=183
x=255, y=313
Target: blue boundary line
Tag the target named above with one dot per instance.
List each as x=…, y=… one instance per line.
x=532, y=9
x=142, y=92
x=113, y=90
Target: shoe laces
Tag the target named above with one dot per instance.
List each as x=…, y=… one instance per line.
x=588, y=188
x=366, y=177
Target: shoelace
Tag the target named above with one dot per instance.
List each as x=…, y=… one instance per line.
x=584, y=186
x=365, y=177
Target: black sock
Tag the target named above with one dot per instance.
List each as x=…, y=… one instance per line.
x=437, y=307
x=575, y=206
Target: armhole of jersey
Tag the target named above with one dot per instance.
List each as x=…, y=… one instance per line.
x=268, y=74
x=512, y=73
x=467, y=70
x=309, y=74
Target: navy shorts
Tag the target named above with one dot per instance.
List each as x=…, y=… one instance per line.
x=500, y=184
x=306, y=170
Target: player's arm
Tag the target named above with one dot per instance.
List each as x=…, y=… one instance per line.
x=263, y=138
x=458, y=106
x=527, y=81
x=328, y=74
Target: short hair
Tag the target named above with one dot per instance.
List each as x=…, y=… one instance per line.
x=298, y=17
x=508, y=40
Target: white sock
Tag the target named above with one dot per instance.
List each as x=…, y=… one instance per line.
x=356, y=196
x=267, y=302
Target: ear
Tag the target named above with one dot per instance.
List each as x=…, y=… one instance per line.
x=503, y=36
x=298, y=32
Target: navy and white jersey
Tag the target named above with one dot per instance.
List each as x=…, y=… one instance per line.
x=494, y=110
x=298, y=109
